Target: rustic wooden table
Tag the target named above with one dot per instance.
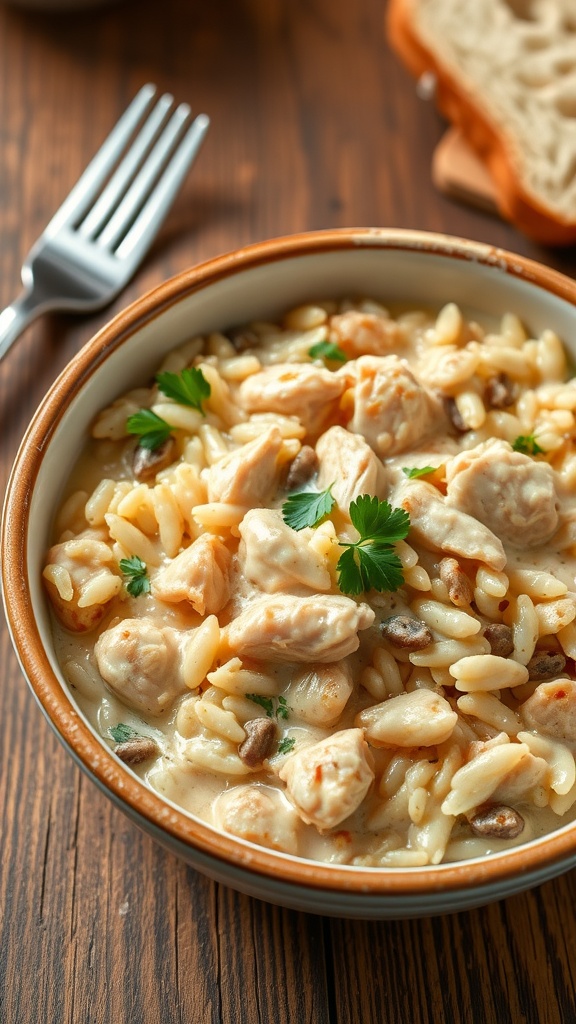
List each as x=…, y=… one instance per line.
x=315, y=124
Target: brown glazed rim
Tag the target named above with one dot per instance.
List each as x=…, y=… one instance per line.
x=97, y=759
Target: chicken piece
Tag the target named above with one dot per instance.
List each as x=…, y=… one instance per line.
x=439, y=527
x=277, y=558
x=250, y=475
x=359, y=334
x=328, y=781
x=420, y=718
x=552, y=709
x=347, y=462
x=199, y=574
x=80, y=582
x=320, y=694
x=293, y=389
x=392, y=410
x=258, y=814
x=511, y=493
x=141, y=664
x=322, y=628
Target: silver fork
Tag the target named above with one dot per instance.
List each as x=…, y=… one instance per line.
x=96, y=240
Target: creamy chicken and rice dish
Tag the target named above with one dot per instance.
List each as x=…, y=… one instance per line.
x=316, y=583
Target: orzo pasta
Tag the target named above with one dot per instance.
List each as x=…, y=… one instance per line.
x=227, y=627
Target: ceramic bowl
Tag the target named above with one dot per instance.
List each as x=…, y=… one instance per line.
x=258, y=282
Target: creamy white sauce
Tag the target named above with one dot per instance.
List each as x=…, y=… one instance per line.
x=412, y=417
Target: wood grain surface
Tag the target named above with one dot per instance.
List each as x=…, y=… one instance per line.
x=314, y=124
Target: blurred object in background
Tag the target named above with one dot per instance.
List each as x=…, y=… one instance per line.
x=59, y=5
x=505, y=76
x=459, y=172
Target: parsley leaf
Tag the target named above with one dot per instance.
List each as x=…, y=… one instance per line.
x=527, y=445
x=416, y=471
x=286, y=744
x=281, y=711
x=307, y=508
x=121, y=733
x=152, y=429
x=371, y=562
x=329, y=351
x=377, y=520
x=135, y=569
x=263, y=702
x=369, y=567
x=189, y=387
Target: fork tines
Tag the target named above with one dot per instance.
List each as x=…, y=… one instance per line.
x=128, y=187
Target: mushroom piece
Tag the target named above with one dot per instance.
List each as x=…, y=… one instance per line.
x=260, y=736
x=147, y=462
x=407, y=632
x=456, y=582
x=302, y=468
x=497, y=822
x=136, y=750
x=500, y=638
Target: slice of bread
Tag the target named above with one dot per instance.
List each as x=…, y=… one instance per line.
x=506, y=76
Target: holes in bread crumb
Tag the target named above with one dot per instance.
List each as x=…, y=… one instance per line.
x=566, y=104
x=537, y=73
x=524, y=10
x=535, y=76
x=569, y=173
x=564, y=65
x=534, y=41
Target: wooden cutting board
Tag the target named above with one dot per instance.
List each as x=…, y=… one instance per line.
x=459, y=173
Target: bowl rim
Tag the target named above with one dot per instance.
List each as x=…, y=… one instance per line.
x=95, y=757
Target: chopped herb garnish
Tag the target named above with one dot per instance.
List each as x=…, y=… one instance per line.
x=281, y=711
x=371, y=562
x=527, y=445
x=152, y=429
x=416, y=471
x=264, y=702
x=329, y=351
x=122, y=733
x=286, y=745
x=189, y=387
x=307, y=508
x=136, y=571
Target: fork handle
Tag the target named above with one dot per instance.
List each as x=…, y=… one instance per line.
x=16, y=317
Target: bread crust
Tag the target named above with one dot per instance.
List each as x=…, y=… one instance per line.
x=517, y=203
